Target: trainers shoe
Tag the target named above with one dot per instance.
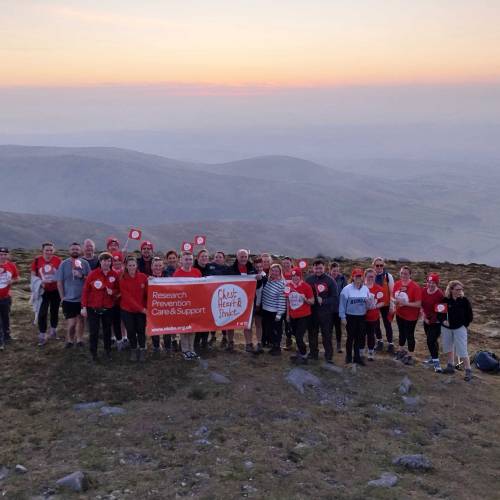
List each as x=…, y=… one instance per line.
x=437, y=367
x=371, y=356
x=380, y=346
x=249, y=348
x=2, y=347
x=408, y=360
x=119, y=345
x=125, y=343
x=187, y=355
x=53, y=334
x=400, y=355
x=468, y=375
x=390, y=348
x=298, y=359
x=41, y=339
x=450, y=369
x=459, y=366
x=429, y=362
x=141, y=356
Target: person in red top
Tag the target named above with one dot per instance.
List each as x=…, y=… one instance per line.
x=133, y=287
x=431, y=297
x=300, y=296
x=286, y=264
x=187, y=271
x=112, y=244
x=98, y=298
x=119, y=335
x=44, y=267
x=407, y=297
x=8, y=275
x=375, y=303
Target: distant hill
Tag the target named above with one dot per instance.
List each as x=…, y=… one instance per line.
x=279, y=203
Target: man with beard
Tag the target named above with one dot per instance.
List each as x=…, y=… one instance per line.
x=70, y=280
x=146, y=259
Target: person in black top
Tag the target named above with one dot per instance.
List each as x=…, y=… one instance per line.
x=146, y=259
x=89, y=255
x=455, y=317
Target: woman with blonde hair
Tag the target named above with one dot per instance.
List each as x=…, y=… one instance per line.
x=455, y=315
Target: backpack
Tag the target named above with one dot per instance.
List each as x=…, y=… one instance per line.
x=487, y=361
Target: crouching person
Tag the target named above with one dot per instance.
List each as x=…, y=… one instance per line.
x=455, y=318
x=98, y=298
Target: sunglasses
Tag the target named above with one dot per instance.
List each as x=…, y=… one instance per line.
x=379, y=265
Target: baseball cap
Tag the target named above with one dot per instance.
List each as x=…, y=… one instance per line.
x=112, y=239
x=357, y=271
x=146, y=243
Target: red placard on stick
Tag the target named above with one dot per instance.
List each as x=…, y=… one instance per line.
x=187, y=246
x=302, y=264
x=200, y=240
x=135, y=234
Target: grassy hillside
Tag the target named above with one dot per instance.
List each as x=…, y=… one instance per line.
x=182, y=435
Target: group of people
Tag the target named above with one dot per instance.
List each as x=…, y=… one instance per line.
x=108, y=292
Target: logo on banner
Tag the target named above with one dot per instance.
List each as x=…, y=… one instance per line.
x=135, y=234
x=229, y=302
x=200, y=240
x=187, y=246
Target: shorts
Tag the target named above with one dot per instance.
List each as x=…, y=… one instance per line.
x=455, y=340
x=71, y=309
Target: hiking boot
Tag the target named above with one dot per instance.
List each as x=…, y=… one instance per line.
x=141, y=356
x=437, y=366
x=288, y=344
x=339, y=347
x=380, y=346
x=449, y=370
x=249, y=348
x=468, y=375
x=259, y=349
x=41, y=339
x=390, y=348
x=408, y=360
x=230, y=346
x=134, y=355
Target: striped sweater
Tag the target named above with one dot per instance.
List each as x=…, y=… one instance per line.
x=273, y=297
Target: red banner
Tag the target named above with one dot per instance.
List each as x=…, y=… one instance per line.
x=188, y=305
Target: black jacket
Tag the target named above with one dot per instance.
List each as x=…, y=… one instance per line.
x=329, y=296
x=234, y=268
x=459, y=313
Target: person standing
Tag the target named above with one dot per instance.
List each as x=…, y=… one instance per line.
x=98, y=296
x=119, y=335
x=299, y=299
x=133, y=287
x=408, y=300
x=89, y=254
x=432, y=296
x=219, y=268
x=386, y=281
x=44, y=267
x=171, y=263
x=454, y=324
x=71, y=276
x=8, y=275
x=375, y=302
x=188, y=271
x=341, y=282
x=287, y=265
x=274, y=308
x=352, y=309
x=146, y=259
x=325, y=303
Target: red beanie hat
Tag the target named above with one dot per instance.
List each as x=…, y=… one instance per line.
x=297, y=271
x=433, y=277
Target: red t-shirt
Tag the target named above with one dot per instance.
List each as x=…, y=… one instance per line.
x=134, y=292
x=429, y=301
x=377, y=296
x=297, y=306
x=193, y=273
x=95, y=290
x=8, y=272
x=287, y=276
x=47, y=271
x=413, y=293
x=242, y=269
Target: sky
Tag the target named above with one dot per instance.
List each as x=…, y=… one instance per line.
x=74, y=66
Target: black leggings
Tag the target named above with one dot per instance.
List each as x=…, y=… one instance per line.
x=384, y=314
x=135, y=323
x=370, y=332
x=272, y=329
x=50, y=300
x=5, y=318
x=337, y=324
x=432, y=332
x=167, y=341
x=96, y=318
x=406, y=332
x=321, y=322
x=299, y=327
x=116, y=322
x=355, y=335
